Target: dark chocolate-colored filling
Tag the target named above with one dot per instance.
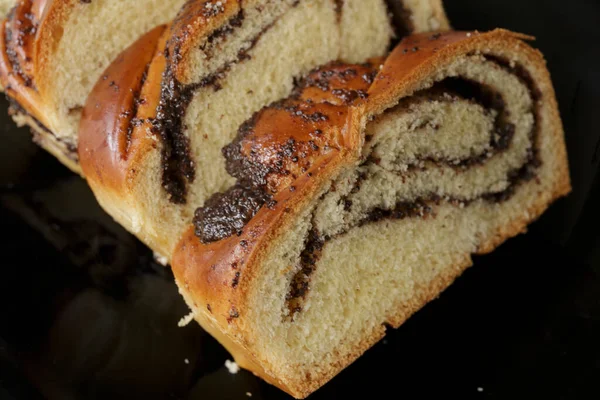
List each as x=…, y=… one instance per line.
x=401, y=19
x=225, y=214
x=339, y=9
x=299, y=286
x=177, y=165
x=451, y=88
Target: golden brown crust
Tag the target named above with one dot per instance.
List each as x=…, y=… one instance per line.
x=205, y=272
x=55, y=13
x=107, y=137
x=285, y=138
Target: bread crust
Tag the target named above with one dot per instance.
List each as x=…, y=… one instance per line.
x=107, y=154
x=204, y=271
x=112, y=147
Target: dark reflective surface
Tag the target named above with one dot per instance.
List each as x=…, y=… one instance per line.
x=85, y=312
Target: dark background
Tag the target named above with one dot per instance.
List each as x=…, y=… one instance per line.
x=85, y=312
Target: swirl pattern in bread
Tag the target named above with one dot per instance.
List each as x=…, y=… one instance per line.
x=214, y=67
x=354, y=206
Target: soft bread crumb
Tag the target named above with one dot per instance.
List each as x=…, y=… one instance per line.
x=480, y=389
x=232, y=367
x=186, y=361
x=186, y=320
x=434, y=24
x=248, y=394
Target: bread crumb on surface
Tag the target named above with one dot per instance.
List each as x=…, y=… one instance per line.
x=186, y=361
x=480, y=389
x=185, y=321
x=162, y=260
x=248, y=394
x=232, y=367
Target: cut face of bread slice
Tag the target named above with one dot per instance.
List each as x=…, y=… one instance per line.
x=345, y=219
x=216, y=66
x=53, y=52
x=417, y=16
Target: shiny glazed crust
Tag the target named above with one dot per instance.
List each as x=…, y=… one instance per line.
x=110, y=147
x=204, y=272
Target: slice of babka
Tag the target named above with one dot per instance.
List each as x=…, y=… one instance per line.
x=53, y=52
x=355, y=204
x=152, y=131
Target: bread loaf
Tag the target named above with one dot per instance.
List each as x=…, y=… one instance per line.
x=152, y=131
x=52, y=52
x=355, y=204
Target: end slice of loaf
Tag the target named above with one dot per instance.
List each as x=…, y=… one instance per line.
x=53, y=52
x=353, y=210
x=217, y=64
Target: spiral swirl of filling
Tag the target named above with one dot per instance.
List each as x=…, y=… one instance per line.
x=470, y=136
